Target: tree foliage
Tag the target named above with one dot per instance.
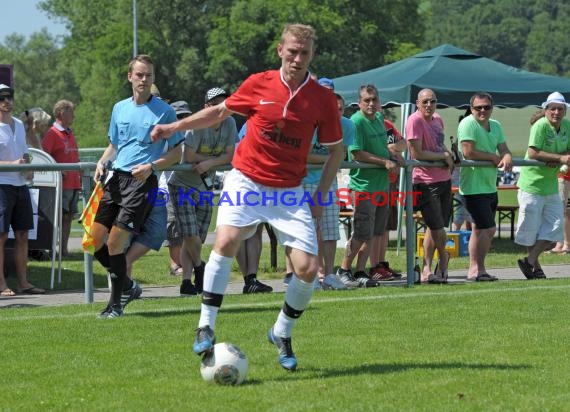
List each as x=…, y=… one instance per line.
x=531, y=34
x=41, y=75
x=198, y=44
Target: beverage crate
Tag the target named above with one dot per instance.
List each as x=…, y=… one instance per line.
x=457, y=243
x=464, y=236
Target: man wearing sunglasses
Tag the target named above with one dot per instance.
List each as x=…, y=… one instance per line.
x=481, y=138
x=425, y=137
x=15, y=202
x=541, y=214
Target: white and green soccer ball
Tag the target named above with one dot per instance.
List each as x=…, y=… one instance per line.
x=226, y=364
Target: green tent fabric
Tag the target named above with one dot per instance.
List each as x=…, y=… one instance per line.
x=454, y=74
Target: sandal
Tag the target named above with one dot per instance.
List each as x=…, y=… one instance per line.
x=176, y=271
x=7, y=292
x=32, y=291
x=442, y=274
x=526, y=268
x=436, y=280
x=485, y=277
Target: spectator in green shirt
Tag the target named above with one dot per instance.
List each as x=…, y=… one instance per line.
x=481, y=138
x=541, y=213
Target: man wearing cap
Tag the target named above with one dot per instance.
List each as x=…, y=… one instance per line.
x=283, y=109
x=191, y=191
x=173, y=236
x=541, y=213
x=132, y=188
x=15, y=202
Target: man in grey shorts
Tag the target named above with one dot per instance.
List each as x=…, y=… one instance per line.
x=370, y=187
x=205, y=149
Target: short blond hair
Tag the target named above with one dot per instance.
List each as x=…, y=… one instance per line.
x=61, y=107
x=302, y=32
x=35, y=117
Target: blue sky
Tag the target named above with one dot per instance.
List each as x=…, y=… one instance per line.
x=23, y=17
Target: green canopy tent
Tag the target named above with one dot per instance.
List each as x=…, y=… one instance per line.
x=454, y=75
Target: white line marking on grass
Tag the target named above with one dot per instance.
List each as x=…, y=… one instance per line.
x=317, y=299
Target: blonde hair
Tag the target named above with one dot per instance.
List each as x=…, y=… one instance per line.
x=36, y=123
x=37, y=119
x=61, y=107
x=301, y=32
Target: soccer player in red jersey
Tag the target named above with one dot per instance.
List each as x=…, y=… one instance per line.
x=283, y=109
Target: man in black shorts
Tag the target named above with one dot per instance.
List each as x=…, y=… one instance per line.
x=424, y=133
x=130, y=190
x=481, y=138
x=15, y=202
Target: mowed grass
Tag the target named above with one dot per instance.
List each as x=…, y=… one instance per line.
x=469, y=347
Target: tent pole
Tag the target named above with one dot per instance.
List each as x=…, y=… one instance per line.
x=405, y=112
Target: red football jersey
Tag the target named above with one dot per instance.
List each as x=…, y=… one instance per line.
x=280, y=127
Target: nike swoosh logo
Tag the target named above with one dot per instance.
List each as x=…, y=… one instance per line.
x=265, y=102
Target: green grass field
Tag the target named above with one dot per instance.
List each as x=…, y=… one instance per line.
x=469, y=347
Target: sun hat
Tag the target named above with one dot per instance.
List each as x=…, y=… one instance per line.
x=215, y=92
x=181, y=107
x=555, y=97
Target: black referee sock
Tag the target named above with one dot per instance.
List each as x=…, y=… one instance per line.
x=102, y=256
x=118, y=269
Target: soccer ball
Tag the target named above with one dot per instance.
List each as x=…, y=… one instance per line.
x=226, y=364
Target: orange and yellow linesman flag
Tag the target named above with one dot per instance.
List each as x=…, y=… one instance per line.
x=88, y=217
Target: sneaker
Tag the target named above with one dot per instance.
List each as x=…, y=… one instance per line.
x=111, y=312
x=133, y=293
x=317, y=285
x=199, y=277
x=346, y=277
x=379, y=273
x=395, y=274
x=325, y=286
x=287, y=358
x=252, y=285
x=187, y=288
x=332, y=281
x=176, y=271
x=538, y=273
x=526, y=268
x=287, y=278
x=364, y=281
x=205, y=340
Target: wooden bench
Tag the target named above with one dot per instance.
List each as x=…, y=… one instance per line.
x=506, y=213
x=345, y=217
